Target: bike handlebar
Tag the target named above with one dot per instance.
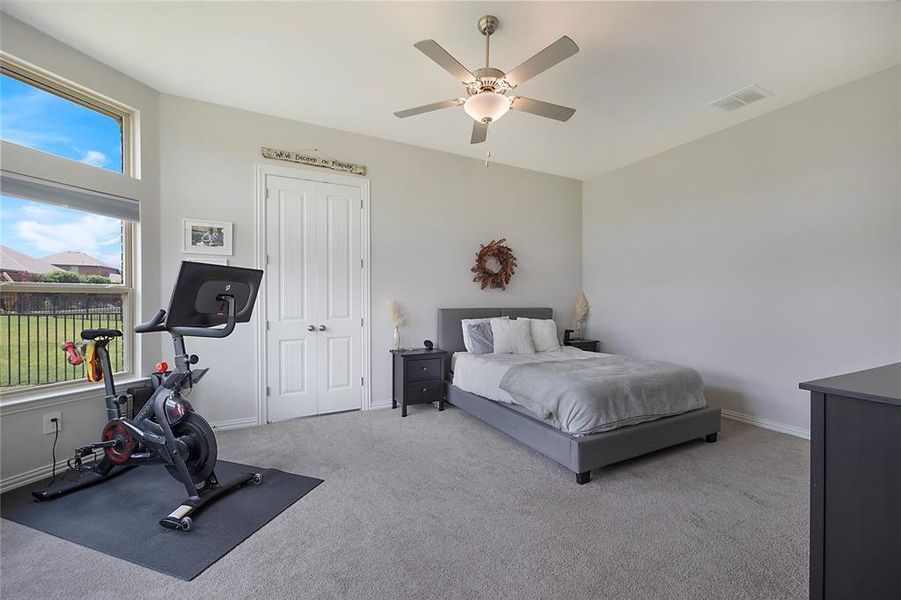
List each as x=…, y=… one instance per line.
x=156, y=324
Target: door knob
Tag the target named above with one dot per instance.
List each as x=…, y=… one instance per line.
x=311, y=327
x=322, y=328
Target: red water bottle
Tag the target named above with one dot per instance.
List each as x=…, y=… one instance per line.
x=74, y=357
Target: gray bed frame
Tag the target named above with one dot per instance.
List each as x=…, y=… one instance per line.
x=578, y=454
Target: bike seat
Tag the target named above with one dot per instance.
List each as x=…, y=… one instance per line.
x=93, y=334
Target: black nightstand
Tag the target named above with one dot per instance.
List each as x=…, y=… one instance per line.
x=583, y=344
x=418, y=378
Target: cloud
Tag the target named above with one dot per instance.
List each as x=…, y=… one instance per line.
x=94, y=157
x=92, y=234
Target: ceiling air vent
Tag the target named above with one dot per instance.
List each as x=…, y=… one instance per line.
x=742, y=97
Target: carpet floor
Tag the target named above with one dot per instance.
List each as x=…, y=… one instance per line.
x=439, y=505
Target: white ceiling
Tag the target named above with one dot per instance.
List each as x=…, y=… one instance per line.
x=641, y=83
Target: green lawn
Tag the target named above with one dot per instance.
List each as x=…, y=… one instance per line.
x=30, y=347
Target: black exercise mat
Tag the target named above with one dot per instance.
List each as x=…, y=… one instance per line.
x=120, y=517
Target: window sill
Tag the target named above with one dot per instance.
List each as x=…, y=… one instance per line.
x=25, y=401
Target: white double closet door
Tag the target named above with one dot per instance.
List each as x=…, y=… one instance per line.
x=313, y=295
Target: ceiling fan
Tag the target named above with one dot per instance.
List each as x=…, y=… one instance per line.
x=487, y=88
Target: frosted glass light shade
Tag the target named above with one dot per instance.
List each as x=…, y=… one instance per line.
x=487, y=107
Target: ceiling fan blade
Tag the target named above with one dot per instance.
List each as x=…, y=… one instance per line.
x=542, y=109
x=479, y=132
x=447, y=62
x=427, y=108
x=544, y=60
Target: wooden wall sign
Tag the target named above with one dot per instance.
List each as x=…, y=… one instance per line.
x=313, y=161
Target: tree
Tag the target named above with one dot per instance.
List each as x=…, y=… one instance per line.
x=61, y=277
x=71, y=277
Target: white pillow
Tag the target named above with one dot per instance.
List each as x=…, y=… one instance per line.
x=465, y=323
x=544, y=335
x=512, y=336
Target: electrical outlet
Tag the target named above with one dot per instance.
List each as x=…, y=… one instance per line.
x=49, y=425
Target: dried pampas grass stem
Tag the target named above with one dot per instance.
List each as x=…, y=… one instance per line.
x=582, y=307
x=395, y=313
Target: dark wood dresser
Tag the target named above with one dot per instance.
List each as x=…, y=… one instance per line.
x=855, y=485
x=418, y=378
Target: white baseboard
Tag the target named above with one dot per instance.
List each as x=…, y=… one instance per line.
x=377, y=405
x=235, y=424
x=32, y=475
x=766, y=424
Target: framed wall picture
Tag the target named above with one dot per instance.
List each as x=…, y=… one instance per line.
x=207, y=237
x=208, y=260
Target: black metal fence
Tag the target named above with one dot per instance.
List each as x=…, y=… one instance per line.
x=33, y=326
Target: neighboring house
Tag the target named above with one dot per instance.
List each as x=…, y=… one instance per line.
x=79, y=262
x=15, y=266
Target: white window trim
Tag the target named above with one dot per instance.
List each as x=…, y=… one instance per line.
x=42, y=397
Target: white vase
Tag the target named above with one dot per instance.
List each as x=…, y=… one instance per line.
x=396, y=338
x=579, y=327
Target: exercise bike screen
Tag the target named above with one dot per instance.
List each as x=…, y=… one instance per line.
x=196, y=299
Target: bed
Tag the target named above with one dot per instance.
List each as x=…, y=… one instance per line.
x=580, y=449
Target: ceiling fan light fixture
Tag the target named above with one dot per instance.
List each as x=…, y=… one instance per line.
x=487, y=107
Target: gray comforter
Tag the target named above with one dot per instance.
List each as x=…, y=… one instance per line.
x=600, y=394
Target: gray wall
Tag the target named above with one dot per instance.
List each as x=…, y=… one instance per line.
x=429, y=213
x=25, y=447
x=763, y=255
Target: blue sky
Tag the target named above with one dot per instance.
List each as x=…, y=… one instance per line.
x=40, y=120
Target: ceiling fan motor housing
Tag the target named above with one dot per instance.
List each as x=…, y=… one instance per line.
x=488, y=79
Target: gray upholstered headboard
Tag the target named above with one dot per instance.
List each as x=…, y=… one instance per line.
x=450, y=332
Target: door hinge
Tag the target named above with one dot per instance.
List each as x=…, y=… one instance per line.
x=267, y=193
x=267, y=259
x=361, y=263
x=268, y=391
x=268, y=325
x=361, y=204
x=361, y=323
x=361, y=381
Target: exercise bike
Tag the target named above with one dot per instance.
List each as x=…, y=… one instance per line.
x=166, y=430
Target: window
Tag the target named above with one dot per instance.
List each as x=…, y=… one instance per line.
x=61, y=270
x=48, y=114
x=65, y=250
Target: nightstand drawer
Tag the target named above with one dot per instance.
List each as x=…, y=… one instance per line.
x=424, y=391
x=427, y=368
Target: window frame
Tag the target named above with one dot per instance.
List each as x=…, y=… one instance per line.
x=69, y=90
x=127, y=118
x=126, y=288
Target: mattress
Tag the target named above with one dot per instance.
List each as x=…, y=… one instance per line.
x=481, y=374
x=580, y=392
